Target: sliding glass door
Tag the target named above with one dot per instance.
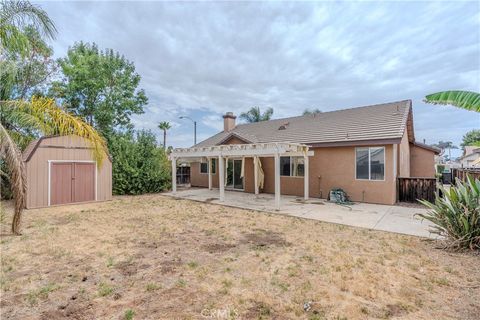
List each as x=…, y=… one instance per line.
x=233, y=172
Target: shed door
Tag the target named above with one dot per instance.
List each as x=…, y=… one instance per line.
x=61, y=183
x=72, y=182
x=83, y=182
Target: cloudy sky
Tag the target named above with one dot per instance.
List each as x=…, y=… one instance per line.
x=203, y=59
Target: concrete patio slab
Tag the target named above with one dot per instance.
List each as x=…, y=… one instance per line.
x=396, y=219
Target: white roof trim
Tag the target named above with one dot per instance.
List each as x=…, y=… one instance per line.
x=245, y=150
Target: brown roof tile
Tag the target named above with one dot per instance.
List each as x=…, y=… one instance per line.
x=377, y=122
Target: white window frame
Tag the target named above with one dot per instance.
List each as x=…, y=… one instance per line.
x=370, y=165
x=291, y=168
x=75, y=161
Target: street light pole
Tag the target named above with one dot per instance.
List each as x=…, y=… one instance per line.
x=194, y=128
x=194, y=132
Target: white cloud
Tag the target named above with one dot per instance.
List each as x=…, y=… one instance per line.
x=203, y=59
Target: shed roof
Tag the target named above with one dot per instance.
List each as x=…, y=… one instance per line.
x=380, y=122
x=32, y=147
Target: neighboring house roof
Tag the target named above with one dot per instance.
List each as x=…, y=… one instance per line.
x=427, y=147
x=381, y=122
x=32, y=147
x=470, y=150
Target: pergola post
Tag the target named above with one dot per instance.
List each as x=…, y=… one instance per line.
x=277, y=181
x=174, y=175
x=255, y=173
x=209, y=163
x=221, y=178
x=306, y=174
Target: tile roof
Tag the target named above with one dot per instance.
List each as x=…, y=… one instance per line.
x=375, y=122
x=428, y=147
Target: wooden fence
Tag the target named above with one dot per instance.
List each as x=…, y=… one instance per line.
x=462, y=174
x=413, y=189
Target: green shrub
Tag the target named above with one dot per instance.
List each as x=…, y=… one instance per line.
x=440, y=168
x=456, y=214
x=139, y=165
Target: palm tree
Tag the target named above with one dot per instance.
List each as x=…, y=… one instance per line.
x=462, y=99
x=254, y=115
x=164, y=125
x=308, y=112
x=46, y=117
x=14, y=17
x=443, y=145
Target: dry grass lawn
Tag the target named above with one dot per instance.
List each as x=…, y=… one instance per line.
x=153, y=257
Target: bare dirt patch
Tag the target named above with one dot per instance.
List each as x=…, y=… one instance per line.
x=265, y=238
x=166, y=259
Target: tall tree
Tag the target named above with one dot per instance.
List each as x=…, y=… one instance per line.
x=308, y=112
x=255, y=115
x=462, y=99
x=446, y=145
x=99, y=86
x=33, y=70
x=471, y=138
x=164, y=125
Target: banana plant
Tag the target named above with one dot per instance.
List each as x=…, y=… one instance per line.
x=467, y=100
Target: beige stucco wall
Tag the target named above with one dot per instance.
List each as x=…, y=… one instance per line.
x=332, y=167
x=62, y=148
x=404, y=156
x=422, y=162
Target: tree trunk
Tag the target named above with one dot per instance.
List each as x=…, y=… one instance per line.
x=16, y=222
x=164, y=139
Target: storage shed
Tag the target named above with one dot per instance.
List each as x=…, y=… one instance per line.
x=62, y=170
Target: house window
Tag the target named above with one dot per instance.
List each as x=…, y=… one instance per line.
x=204, y=166
x=370, y=163
x=292, y=166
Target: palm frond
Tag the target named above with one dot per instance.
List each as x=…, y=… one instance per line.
x=22, y=13
x=13, y=158
x=14, y=17
x=13, y=39
x=462, y=99
x=8, y=76
x=47, y=117
x=164, y=125
x=21, y=140
x=255, y=115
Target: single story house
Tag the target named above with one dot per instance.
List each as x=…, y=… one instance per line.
x=470, y=157
x=62, y=170
x=361, y=150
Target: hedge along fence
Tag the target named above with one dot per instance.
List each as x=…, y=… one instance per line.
x=413, y=189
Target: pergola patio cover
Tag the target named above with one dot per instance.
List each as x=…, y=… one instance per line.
x=255, y=150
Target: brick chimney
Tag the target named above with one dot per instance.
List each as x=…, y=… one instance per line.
x=228, y=121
